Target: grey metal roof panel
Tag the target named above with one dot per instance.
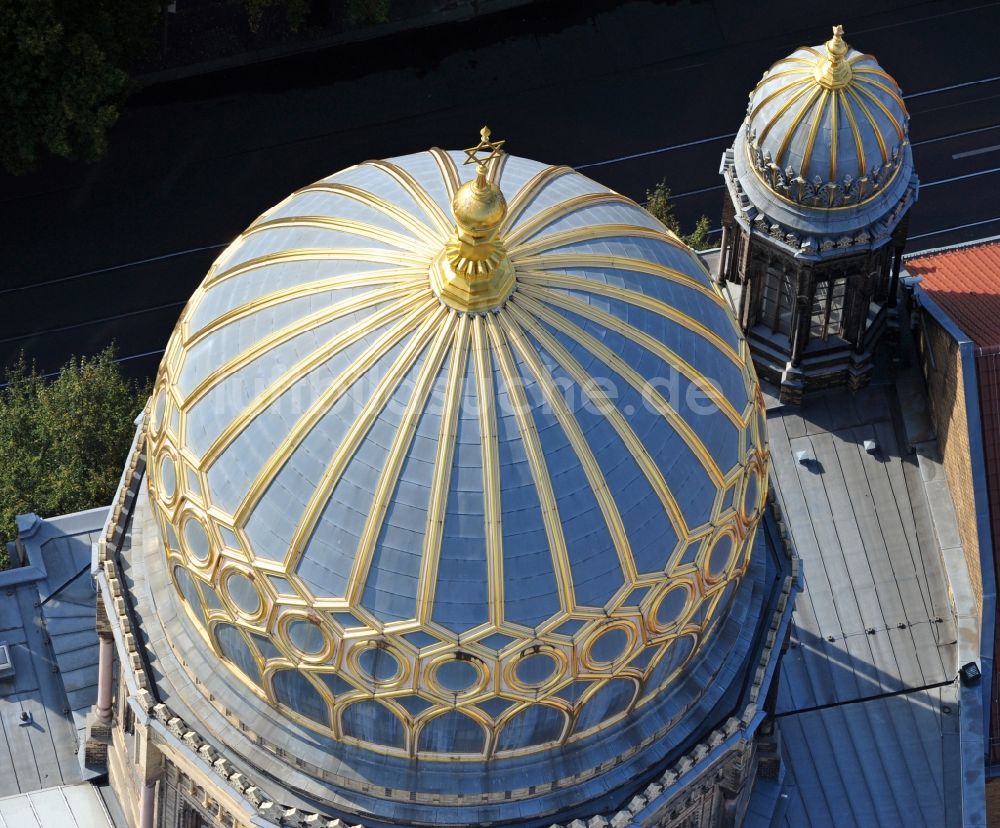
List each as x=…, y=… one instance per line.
x=72, y=806
x=875, y=619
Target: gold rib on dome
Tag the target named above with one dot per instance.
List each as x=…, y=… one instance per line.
x=473, y=272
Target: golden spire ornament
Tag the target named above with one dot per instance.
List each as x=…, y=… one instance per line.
x=473, y=272
x=832, y=71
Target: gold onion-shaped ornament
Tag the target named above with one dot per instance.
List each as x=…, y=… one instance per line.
x=473, y=274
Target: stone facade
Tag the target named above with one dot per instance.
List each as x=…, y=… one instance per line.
x=941, y=361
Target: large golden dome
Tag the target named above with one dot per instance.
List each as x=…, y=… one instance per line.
x=475, y=531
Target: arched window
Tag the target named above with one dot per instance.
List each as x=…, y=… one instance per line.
x=777, y=300
x=828, y=309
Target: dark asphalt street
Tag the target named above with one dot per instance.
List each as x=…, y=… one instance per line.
x=112, y=251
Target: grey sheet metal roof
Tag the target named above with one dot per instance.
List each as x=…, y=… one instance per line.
x=823, y=168
x=68, y=806
x=47, y=616
x=868, y=702
x=445, y=533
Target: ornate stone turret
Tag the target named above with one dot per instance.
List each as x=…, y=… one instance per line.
x=819, y=179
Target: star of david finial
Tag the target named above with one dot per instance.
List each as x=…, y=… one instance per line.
x=494, y=148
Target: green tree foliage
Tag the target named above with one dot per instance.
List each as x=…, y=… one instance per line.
x=659, y=206
x=63, y=442
x=64, y=74
x=698, y=239
x=368, y=12
x=295, y=12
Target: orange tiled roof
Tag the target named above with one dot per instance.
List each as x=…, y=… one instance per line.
x=965, y=282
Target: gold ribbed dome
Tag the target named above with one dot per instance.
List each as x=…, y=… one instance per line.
x=398, y=500
x=827, y=126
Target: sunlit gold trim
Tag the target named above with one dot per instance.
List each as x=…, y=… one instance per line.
x=394, y=211
x=590, y=232
x=547, y=286
x=544, y=218
x=859, y=145
x=614, y=417
x=351, y=227
x=900, y=132
x=539, y=470
x=405, y=308
x=870, y=120
x=806, y=89
x=892, y=93
x=417, y=192
x=571, y=428
x=813, y=129
x=527, y=193
x=449, y=171
x=396, y=258
x=349, y=445
x=493, y=509
x=402, y=440
x=648, y=342
x=632, y=377
x=397, y=289
x=441, y=479
x=779, y=91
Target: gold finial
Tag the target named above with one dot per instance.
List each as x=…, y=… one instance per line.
x=832, y=71
x=473, y=272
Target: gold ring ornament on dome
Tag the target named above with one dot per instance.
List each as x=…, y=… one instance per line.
x=379, y=665
x=670, y=609
x=241, y=594
x=721, y=554
x=611, y=647
x=753, y=490
x=535, y=668
x=457, y=674
x=305, y=637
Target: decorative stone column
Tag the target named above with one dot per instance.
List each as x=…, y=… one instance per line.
x=892, y=318
x=147, y=804
x=97, y=733
x=723, y=268
x=105, y=676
